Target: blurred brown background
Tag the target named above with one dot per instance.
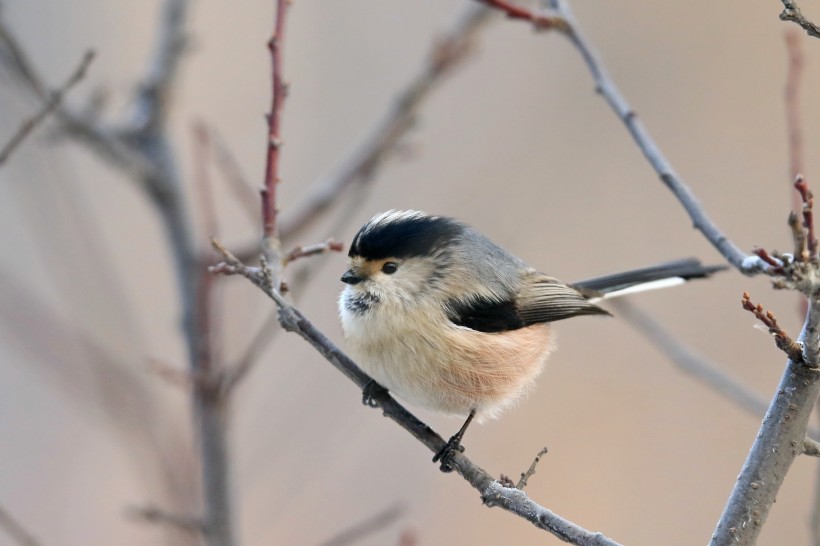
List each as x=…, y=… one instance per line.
x=516, y=143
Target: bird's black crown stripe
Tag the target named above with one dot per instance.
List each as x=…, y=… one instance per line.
x=404, y=237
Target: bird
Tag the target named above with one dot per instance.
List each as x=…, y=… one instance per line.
x=445, y=319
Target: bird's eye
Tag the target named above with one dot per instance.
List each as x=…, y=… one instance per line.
x=390, y=267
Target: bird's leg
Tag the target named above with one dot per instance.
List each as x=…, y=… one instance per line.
x=452, y=445
x=370, y=392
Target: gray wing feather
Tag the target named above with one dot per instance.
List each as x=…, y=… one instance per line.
x=546, y=299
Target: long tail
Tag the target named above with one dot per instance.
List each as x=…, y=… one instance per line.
x=647, y=278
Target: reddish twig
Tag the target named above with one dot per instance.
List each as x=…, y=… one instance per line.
x=808, y=215
x=312, y=250
x=170, y=374
x=51, y=104
x=274, y=123
x=783, y=341
x=763, y=254
x=801, y=250
x=792, y=99
x=542, y=20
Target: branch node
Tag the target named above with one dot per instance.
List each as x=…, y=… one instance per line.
x=792, y=348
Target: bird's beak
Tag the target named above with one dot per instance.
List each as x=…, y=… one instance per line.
x=351, y=277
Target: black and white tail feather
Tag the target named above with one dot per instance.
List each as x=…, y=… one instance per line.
x=647, y=278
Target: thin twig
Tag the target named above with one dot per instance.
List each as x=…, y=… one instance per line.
x=807, y=199
x=607, y=89
x=366, y=528
x=170, y=374
x=202, y=178
x=492, y=492
x=776, y=445
x=791, y=12
x=448, y=53
x=142, y=149
x=106, y=141
x=51, y=104
x=783, y=341
x=542, y=21
x=279, y=91
x=525, y=476
x=243, y=365
x=15, y=530
x=692, y=363
x=245, y=195
x=312, y=250
x=792, y=99
x=152, y=514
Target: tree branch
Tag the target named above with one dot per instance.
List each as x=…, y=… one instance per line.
x=51, y=104
x=152, y=514
x=791, y=12
x=606, y=87
x=156, y=88
x=15, y=530
x=791, y=94
x=783, y=432
x=689, y=362
x=450, y=51
x=279, y=91
x=362, y=529
x=779, y=441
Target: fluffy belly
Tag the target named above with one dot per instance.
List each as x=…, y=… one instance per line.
x=457, y=369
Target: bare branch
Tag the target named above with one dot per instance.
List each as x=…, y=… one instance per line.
x=258, y=343
x=202, y=178
x=107, y=142
x=279, y=92
x=689, y=362
x=152, y=514
x=525, y=476
x=777, y=444
x=312, y=250
x=605, y=86
x=155, y=90
x=542, y=21
x=492, y=492
x=792, y=99
x=450, y=52
x=516, y=501
x=791, y=12
x=245, y=195
x=15, y=530
x=363, y=529
x=53, y=102
x=783, y=341
x=807, y=199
